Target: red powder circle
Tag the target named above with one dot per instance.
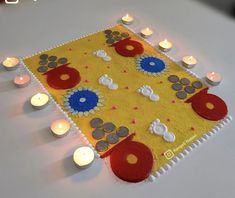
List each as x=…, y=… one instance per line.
x=136, y=172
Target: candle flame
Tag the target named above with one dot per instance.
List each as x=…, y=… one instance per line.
x=165, y=41
x=127, y=15
x=60, y=125
x=190, y=57
x=147, y=29
x=21, y=78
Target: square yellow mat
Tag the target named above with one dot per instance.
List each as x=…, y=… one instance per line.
x=125, y=106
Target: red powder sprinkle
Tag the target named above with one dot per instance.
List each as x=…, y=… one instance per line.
x=85, y=53
x=192, y=129
x=135, y=108
x=126, y=87
x=86, y=81
x=89, y=40
x=86, y=66
x=161, y=82
x=124, y=71
x=173, y=101
x=162, y=154
x=108, y=67
x=133, y=121
x=168, y=120
x=70, y=49
x=114, y=107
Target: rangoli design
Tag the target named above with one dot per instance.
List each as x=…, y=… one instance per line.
x=142, y=122
x=150, y=65
x=82, y=101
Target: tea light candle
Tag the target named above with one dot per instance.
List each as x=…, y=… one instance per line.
x=213, y=78
x=165, y=45
x=60, y=128
x=146, y=32
x=189, y=61
x=22, y=80
x=83, y=157
x=127, y=19
x=11, y=63
x=39, y=100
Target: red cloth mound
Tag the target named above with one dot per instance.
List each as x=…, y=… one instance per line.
x=132, y=172
x=200, y=102
x=128, y=47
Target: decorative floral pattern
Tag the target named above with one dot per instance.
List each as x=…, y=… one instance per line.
x=102, y=54
x=160, y=129
x=150, y=65
x=107, y=81
x=147, y=91
x=82, y=101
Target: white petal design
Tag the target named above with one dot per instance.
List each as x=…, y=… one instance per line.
x=169, y=137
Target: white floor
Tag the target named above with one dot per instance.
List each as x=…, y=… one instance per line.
x=35, y=164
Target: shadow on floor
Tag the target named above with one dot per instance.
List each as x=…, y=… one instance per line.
x=65, y=168
x=7, y=86
x=225, y=6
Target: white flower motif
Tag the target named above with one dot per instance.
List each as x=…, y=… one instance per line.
x=169, y=137
x=107, y=81
x=102, y=54
x=160, y=129
x=147, y=91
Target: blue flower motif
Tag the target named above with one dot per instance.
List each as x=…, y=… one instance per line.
x=82, y=101
x=150, y=65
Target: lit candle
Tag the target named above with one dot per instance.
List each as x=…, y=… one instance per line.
x=165, y=45
x=189, y=61
x=127, y=19
x=83, y=157
x=22, y=80
x=146, y=32
x=39, y=100
x=60, y=128
x=213, y=78
x=11, y=63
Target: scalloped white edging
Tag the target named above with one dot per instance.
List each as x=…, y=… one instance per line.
x=175, y=159
x=161, y=52
x=45, y=90
x=72, y=40
x=167, y=167
x=61, y=110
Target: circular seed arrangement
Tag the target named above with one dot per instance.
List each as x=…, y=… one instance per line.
x=173, y=78
x=109, y=127
x=177, y=87
x=102, y=146
x=183, y=86
x=122, y=131
x=96, y=122
x=112, y=138
x=114, y=36
x=46, y=62
x=98, y=134
x=106, y=133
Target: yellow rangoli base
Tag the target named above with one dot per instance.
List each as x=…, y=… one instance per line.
x=179, y=116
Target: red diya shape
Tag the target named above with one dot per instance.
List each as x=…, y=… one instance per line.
x=208, y=106
x=134, y=171
x=128, y=47
x=55, y=77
